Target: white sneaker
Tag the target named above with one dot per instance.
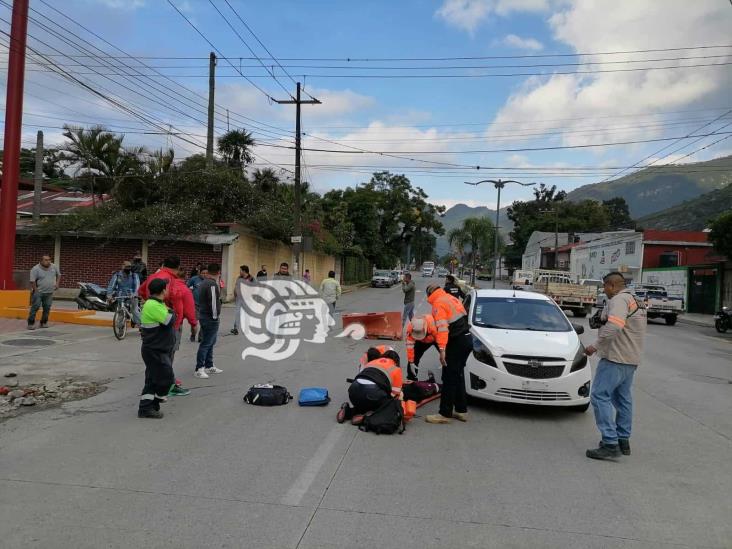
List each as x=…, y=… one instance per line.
x=213, y=370
x=200, y=373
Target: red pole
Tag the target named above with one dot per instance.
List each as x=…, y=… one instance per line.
x=11, y=153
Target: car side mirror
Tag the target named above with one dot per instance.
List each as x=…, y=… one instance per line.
x=578, y=328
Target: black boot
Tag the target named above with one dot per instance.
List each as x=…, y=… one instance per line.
x=604, y=451
x=624, y=445
x=149, y=413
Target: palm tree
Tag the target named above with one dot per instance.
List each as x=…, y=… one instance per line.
x=477, y=233
x=91, y=148
x=235, y=146
x=160, y=161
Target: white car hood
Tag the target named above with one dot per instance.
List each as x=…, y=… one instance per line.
x=519, y=342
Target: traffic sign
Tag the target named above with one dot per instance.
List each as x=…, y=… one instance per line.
x=296, y=239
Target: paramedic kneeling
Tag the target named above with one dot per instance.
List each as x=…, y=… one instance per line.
x=455, y=344
x=421, y=335
x=619, y=345
x=378, y=380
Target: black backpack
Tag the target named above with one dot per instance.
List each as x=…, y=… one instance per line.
x=376, y=376
x=387, y=419
x=267, y=395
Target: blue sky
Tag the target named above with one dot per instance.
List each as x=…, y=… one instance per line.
x=429, y=120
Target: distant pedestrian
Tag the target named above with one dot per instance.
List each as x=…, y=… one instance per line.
x=330, y=290
x=284, y=271
x=209, y=315
x=306, y=276
x=124, y=285
x=158, y=340
x=620, y=346
x=44, y=280
x=262, y=273
x=246, y=278
x=196, y=270
x=139, y=267
x=409, y=290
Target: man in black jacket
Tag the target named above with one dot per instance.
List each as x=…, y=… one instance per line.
x=209, y=314
x=452, y=288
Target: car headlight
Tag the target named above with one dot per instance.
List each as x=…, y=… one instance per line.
x=580, y=359
x=482, y=353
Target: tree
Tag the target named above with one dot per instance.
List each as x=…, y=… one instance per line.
x=721, y=234
x=477, y=233
x=617, y=209
x=235, y=146
x=160, y=162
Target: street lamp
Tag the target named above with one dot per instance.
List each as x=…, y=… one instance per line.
x=498, y=184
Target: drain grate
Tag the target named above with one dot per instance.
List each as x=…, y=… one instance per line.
x=28, y=342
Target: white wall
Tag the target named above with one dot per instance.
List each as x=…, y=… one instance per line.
x=675, y=280
x=597, y=258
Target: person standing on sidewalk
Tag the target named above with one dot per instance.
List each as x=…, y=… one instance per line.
x=306, y=277
x=209, y=309
x=262, y=273
x=409, y=290
x=284, y=271
x=247, y=278
x=157, y=330
x=620, y=346
x=330, y=290
x=193, y=284
x=455, y=344
x=139, y=267
x=44, y=280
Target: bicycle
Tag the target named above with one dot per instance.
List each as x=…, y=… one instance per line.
x=122, y=315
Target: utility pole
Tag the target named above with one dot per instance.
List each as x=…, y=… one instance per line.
x=38, y=178
x=11, y=154
x=297, y=101
x=211, y=89
x=498, y=184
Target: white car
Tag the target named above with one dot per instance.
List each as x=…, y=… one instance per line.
x=525, y=351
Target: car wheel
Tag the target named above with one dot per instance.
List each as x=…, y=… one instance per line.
x=581, y=409
x=671, y=320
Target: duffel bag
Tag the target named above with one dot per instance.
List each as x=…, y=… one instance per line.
x=266, y=394
x=313, y=396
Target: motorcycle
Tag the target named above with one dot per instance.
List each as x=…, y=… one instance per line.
x=723, y=320
x=92, y=297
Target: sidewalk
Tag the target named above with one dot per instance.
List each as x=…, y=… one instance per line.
x=696, y=319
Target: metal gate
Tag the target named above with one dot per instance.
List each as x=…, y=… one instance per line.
x=703, y=291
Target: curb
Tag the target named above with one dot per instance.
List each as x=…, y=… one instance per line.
x=692, y=322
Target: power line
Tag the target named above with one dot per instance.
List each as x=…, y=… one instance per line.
x=271, y=72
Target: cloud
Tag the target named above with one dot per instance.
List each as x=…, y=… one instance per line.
x=469, y=14
x=530, y=44
x=575, y=101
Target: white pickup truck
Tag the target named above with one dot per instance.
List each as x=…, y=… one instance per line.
x=658, y=303
x=566, y=293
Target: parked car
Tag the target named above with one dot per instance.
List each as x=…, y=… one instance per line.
x=442, y=272
x=396, y=276
x=382, y=279
x=526, y=351
x=484, y=275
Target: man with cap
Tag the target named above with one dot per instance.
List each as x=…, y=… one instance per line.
x=421, y=335
x=124, y=285
x=454, y=343
x=157, y=330
x=139, y=267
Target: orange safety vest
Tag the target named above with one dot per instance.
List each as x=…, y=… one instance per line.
x=431, y=329
x=446, y=309
x=392, y=370
x=364, y=357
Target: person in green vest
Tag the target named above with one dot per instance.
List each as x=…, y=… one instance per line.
x=158, y=341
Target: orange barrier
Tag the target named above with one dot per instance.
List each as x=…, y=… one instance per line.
x=386, y=325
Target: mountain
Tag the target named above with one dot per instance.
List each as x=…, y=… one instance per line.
x=692, y=215
x=454, y=217
x=655, y=189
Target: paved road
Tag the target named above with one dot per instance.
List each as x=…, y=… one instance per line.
x=218, y=473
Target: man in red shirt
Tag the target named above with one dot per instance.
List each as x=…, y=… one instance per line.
x=180, y=299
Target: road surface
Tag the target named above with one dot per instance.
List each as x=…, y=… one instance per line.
x=216, y=472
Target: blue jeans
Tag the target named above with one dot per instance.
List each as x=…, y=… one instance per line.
x=408, y=313
x=209, y=332
x=612, y=400
x=39, y=300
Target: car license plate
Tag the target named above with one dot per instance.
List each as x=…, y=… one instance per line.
x=531, y=385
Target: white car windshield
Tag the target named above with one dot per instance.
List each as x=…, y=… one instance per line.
x=382, y=273
x=508, y=313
